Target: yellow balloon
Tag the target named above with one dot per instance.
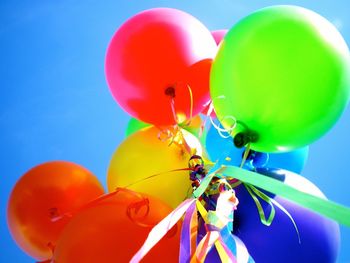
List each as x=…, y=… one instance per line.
x=143, y=154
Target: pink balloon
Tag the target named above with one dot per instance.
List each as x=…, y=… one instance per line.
x=219, y=35
x=154, y=57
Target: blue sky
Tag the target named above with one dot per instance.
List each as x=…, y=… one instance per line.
x=55, y=103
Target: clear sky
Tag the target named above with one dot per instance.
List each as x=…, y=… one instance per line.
x=55, y=103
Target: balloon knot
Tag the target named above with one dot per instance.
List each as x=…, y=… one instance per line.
x=243, y=138
x=170, y=91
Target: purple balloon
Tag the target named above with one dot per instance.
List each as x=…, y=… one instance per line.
x=319, y=236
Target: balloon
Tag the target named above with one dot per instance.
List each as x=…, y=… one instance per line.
x=114, y=229
x=41, y=195
x=153, y=58
x=219, y=147
x=135, y=125
x=279, y=241
x=219, y=35
x=142, y=155
x=282, y=76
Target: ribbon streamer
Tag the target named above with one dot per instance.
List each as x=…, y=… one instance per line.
x=253, y=193
x=327, y=208
x=161, y=229
x=188, y=227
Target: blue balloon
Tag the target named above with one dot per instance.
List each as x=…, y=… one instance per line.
x=319, y=236
x=218, y=148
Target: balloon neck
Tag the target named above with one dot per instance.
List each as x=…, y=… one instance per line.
x=243, y=138
x=170, y=91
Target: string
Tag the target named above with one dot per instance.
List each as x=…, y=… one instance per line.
x=171, y=93
x=191, y=104
x=158, y=174
x=224, y=130
x=289, y=215
x=182, y=143
x=134, y=205
x=245, y=155
x=252, y=192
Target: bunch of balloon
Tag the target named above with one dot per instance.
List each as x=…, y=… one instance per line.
x=58, y=212
x=267, y=88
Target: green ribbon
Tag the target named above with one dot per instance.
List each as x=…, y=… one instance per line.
x=203, y=186
x=327, y=208
x=254, y=193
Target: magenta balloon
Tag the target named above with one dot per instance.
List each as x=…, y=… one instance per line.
x=219, y=35
x=155, y=56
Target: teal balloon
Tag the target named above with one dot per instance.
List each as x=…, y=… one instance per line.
x=281, y=75
x=218, y=148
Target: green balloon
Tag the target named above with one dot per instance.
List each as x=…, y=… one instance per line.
x=135, y=125
x=282, y=76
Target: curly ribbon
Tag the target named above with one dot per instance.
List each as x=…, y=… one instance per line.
x=132, y=209
x=254, y=193
x=176, y=137
x=191, y=105
x=327, y=208
x=220, y=130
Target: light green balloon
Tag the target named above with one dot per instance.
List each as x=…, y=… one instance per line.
x=283, y=74
x=135, y=125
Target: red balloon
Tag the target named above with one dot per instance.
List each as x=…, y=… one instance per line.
x=219, y=35
x=114, y=229
x=153, y=58
x=40, y=197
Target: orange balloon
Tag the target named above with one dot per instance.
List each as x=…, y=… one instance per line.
x=114, y=229
x=42, y=195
